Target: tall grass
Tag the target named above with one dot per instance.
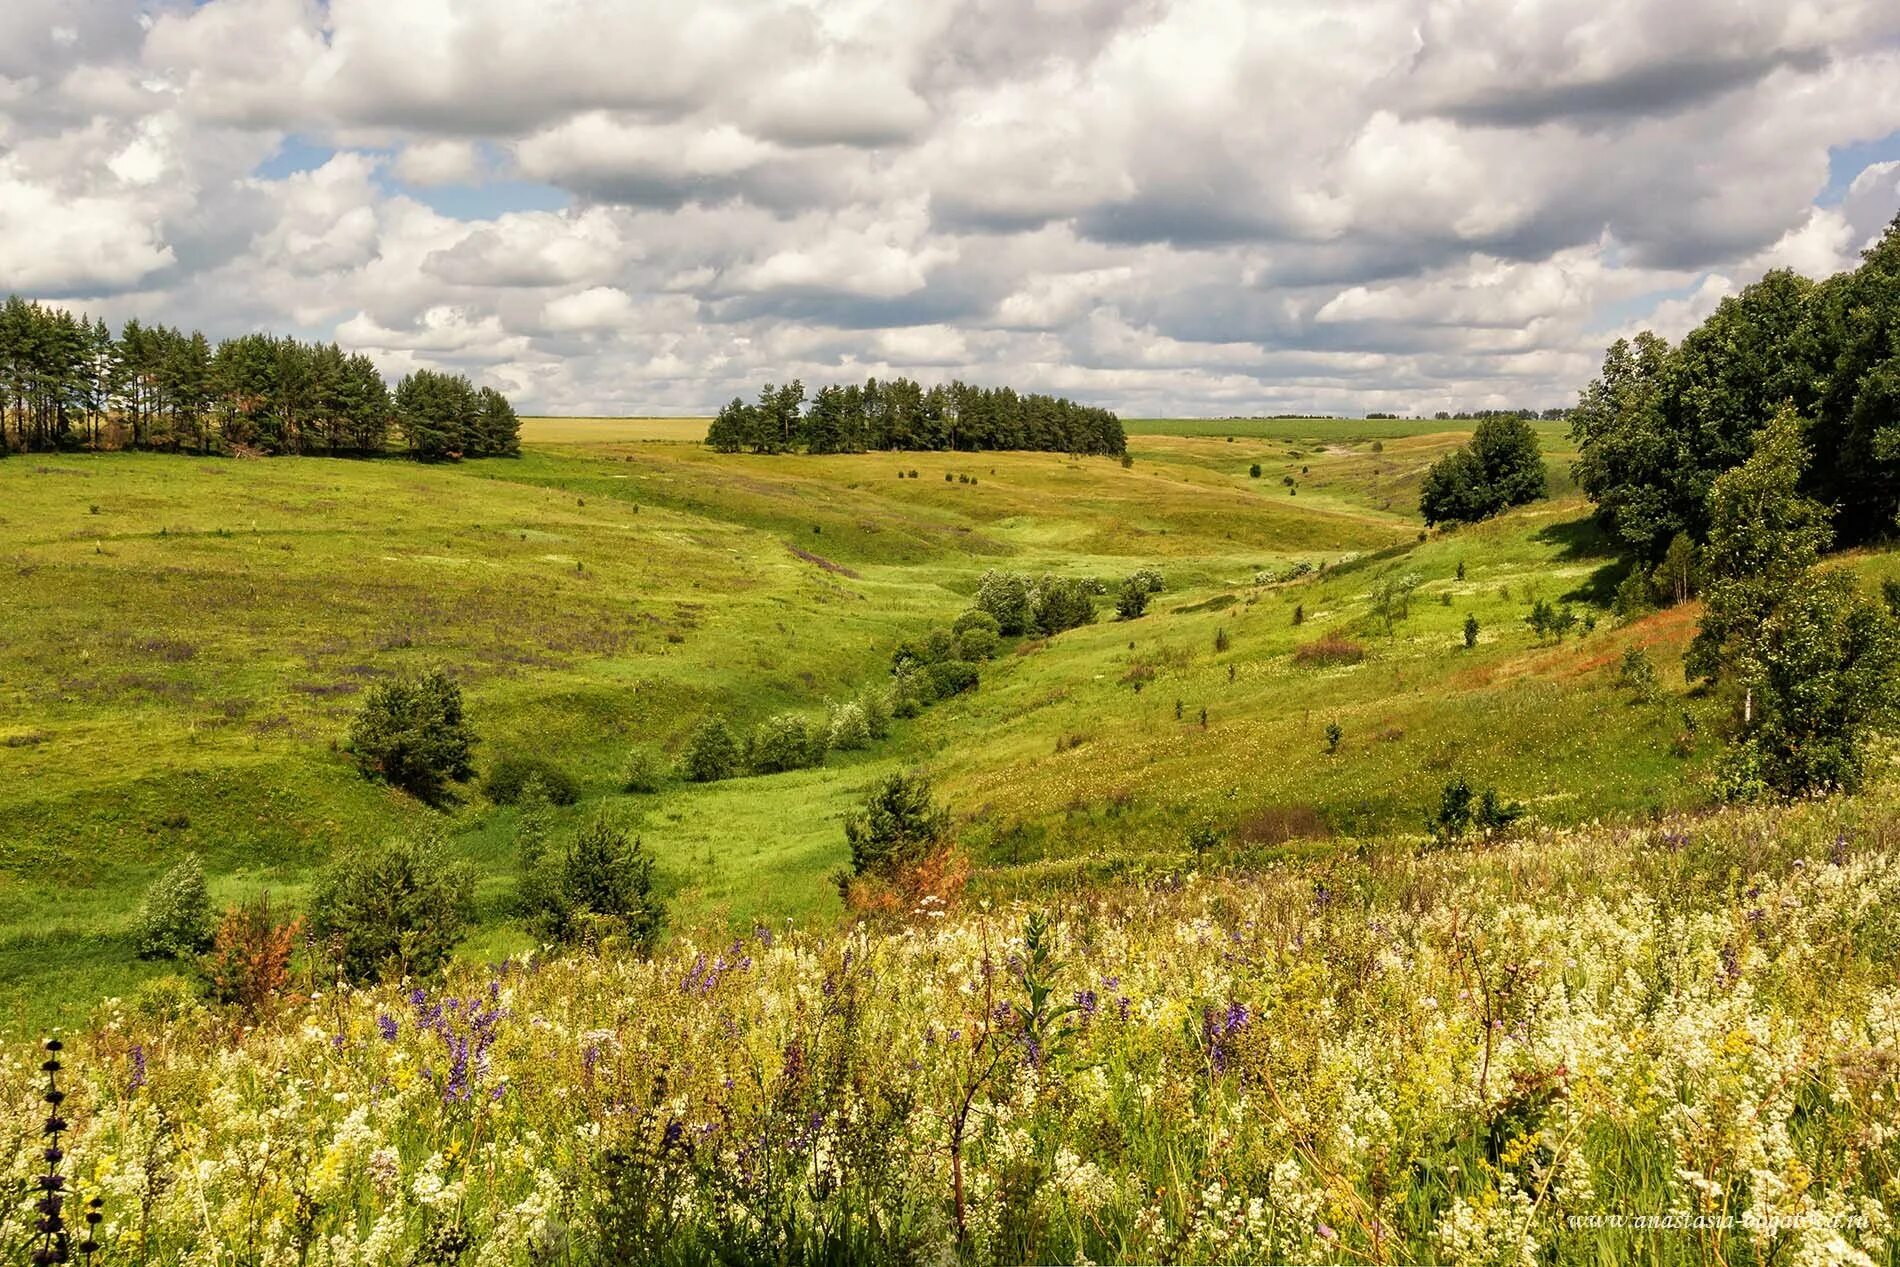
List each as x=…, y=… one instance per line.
x=1472, y=1056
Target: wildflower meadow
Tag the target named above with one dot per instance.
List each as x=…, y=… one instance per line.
x=1670, y=1043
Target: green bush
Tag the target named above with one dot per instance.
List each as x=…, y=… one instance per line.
x=411, y=733
x=938, y=644
x=949, y=677
x=977, y=643
x=911, y=691
x=1132, y=601
x=1058, y=603
x=899, y=824
x=712, y=753
x=1004, y=597
x=507, y=777
x=1637, y=673
x=644, y=771
x=975, y=618
x=785, y=741
x=1634, y=596
x=602, y=886
x=176, y=920
x=847, y=727
x=876, y=704
x=393, y=911
x=1462, y=807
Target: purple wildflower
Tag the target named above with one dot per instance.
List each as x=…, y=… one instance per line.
x=138, y=1068
x=387, y=1024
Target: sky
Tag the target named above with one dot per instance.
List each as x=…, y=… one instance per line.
x=1168, y=207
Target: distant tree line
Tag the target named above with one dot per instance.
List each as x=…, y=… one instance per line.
x=66, y=381
x=1479, y=415
x=1662, y=424
x=1471, y=415
x=899, y=413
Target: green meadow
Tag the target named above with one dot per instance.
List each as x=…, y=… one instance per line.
x=185, y=640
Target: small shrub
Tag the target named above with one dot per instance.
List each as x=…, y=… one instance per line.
x=1391, y=598
x=1004, y=597
x=1253, y=472
x=1471, y=631
x=1633, y=597
x=876, y=704
x=1221, y=640
x=1148, y=578
x=248, y=965
x=712, y=753
x=846, y=726
x=1334, y=733
x=784, y=741
x=1132, y=601
x=175, y=920
x=974, y=618
x=1205, y=836
x=1637, y=673
x=1059, y=603
x=1548, y=621
x=600, y=889
x=1329, y=650
x=909, y=693
x=644, y=771
x=950, y=677
x=903, y=857
x=1299, y=613
x=393, y=911
x=900, y=823
x=509, y=775
x=411, y=733
x=977, y=643
x=1462, y=807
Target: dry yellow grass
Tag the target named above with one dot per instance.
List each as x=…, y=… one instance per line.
x=551, y=431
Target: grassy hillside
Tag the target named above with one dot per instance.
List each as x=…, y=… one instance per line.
x=186, y=640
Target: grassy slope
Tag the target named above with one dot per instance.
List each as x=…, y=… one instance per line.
x=186, y=640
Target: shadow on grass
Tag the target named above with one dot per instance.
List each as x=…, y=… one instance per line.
x=1584, y=538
